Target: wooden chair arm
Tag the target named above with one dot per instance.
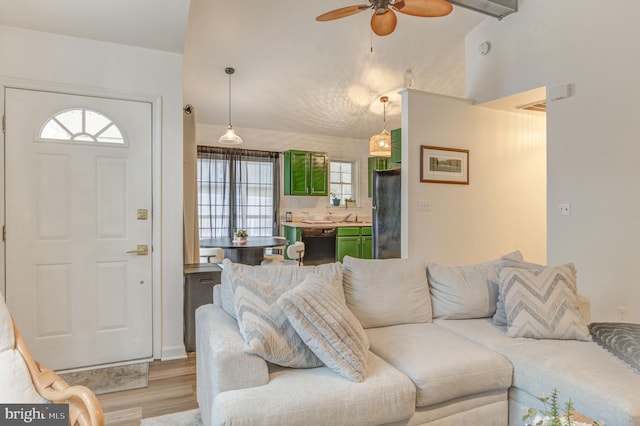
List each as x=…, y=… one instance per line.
x=84, y=407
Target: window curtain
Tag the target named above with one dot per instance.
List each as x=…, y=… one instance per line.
x=237, y=187
x=190, y=189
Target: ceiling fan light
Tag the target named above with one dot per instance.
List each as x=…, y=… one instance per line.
x=230, y=137
x=384, y=24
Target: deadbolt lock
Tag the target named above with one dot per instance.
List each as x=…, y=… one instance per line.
x=142, y=214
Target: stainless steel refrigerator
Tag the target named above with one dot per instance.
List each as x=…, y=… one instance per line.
x=386, y=213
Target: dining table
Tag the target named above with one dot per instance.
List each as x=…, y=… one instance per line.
x=249, y=252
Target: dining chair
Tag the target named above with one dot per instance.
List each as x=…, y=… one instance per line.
x=296, y=251
x=211, y=255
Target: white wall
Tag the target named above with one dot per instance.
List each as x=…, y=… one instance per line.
x=336, y=148
x=97, y=67
x=503, y=207
x=592, y=140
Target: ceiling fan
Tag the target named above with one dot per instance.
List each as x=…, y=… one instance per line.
x=383, y=20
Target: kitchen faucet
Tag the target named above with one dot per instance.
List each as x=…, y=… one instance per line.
x=346, y=218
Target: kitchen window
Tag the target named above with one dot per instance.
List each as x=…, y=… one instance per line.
x=342, y=179
x=237, y=189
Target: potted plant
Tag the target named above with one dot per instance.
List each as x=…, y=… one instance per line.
x=241, y=236
x=349, y=202
x=335, y=200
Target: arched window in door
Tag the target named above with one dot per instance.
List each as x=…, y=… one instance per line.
x=82, y=125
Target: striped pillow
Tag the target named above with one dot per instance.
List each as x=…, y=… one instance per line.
x=327, y=326
x=265, y=328
x=542, y=303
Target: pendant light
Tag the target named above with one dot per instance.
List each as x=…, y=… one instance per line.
x=230, y=137
x=380, y=143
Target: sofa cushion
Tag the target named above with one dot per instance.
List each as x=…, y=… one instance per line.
x=600, y=386
x=285, y=277
x=265, y=328
x=542, y=303
x=469, y=291
x=442, y=365
x=319, y=397
x=327, y=326
x=385, y=292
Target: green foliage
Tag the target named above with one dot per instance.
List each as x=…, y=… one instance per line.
x=552, y=415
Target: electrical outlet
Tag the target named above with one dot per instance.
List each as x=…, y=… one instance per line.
x=622, y=313
x=564, y=209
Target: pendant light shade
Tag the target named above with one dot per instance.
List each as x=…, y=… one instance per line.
x=380, y=143
x=230, y=137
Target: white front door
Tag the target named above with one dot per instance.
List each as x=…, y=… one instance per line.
x=78, y=188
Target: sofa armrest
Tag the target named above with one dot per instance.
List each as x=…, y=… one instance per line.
x=221, y=364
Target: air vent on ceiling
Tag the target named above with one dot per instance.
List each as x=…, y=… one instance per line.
x=538, y=106
x=496, y=8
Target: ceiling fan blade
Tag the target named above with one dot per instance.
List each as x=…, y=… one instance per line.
x=384, y=23
x=343, y=12
x=424, y=8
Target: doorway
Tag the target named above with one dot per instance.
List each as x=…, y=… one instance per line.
x=78, y=242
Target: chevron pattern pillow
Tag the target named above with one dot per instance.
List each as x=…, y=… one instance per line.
x=542, y=303
x=265, y=328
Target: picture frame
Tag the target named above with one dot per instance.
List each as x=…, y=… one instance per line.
x=444, y=165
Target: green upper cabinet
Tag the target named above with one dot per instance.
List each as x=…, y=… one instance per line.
x=319, y=174
x=376, y=163
x=306, y=173
x=396, y=146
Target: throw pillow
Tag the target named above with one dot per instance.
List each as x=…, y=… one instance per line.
x=386, y=292
x=542, y=303
x=500, y=317
x=327, y=326
x=285, y=277
x=620, y=339
x=463, y=292
x=16, y=386
x=265, y=328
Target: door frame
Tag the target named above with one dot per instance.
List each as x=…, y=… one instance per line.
x=156, y=182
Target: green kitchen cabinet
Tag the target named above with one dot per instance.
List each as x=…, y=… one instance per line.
x=306, y=173
x=375, y=163
x=396, y=146
x=355, y=242
x=366, y=243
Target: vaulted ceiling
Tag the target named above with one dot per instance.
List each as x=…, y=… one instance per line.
x=292, y=73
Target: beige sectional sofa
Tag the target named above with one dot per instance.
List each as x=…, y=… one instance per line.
x=434, y=354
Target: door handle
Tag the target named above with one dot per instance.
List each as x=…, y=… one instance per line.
x=141, y=250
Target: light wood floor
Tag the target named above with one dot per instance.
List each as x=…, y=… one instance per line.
x=172, y=388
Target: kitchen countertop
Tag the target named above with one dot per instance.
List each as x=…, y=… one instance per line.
x=324, y=224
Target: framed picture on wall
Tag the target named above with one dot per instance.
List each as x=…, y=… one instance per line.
x=444, y=165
